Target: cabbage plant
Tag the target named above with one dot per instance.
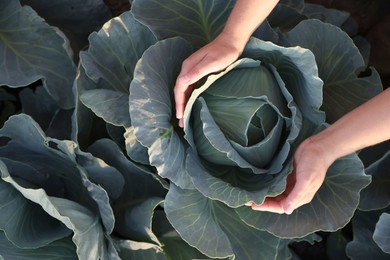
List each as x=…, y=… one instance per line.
x=243, y=125
x=59, y=202
x=53, y=196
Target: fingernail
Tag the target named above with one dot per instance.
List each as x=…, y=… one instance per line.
x=288, y=209
x=248, y=204
x=181, y=123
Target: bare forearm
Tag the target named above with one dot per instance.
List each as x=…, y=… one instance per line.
x=364, y=126
x=246, y=16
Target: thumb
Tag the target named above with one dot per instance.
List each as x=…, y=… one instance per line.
x=288, y=208
x=202, y=68
x=296, y=198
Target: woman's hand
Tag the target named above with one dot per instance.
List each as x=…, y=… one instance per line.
x=356, y=130
x=311, y=162
x=245, y=17
x=212, y=58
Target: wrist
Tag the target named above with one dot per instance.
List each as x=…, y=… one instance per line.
x=236, y=41
x=323, y=145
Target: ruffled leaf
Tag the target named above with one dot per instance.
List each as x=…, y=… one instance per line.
x=31, y=50
x=198, y=22
x=108, y=104
x=377, y=195
x=216, y=230
x=105, y=72
x=363, y=245
x=59, y=180
x=382, y=233
x=139, y=250
x=25, y=223
x=151, y=110
x=114, y=51
x=38, y=104
x=77, y=19
x=143, y=191
x=339, y=64
x=88, y=235
x=60, y=249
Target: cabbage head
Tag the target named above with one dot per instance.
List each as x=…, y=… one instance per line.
x=243, y=123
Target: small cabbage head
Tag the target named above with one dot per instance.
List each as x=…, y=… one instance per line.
x=244, y=123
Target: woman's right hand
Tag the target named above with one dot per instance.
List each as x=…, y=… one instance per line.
x=213, y=57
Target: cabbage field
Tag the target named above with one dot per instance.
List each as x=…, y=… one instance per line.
x=93, y=164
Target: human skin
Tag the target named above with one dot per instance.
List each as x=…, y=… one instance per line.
x=245, y=17
x=366, y=125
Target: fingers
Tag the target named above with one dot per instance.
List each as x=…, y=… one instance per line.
x=194, y=68
x=271, y=205
x=302, y=193
x=285, y=203
x=277, y=206
x=191, y=73
x=309, y=169
x=294, y=201
x=299, y=191
x=182, y=93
